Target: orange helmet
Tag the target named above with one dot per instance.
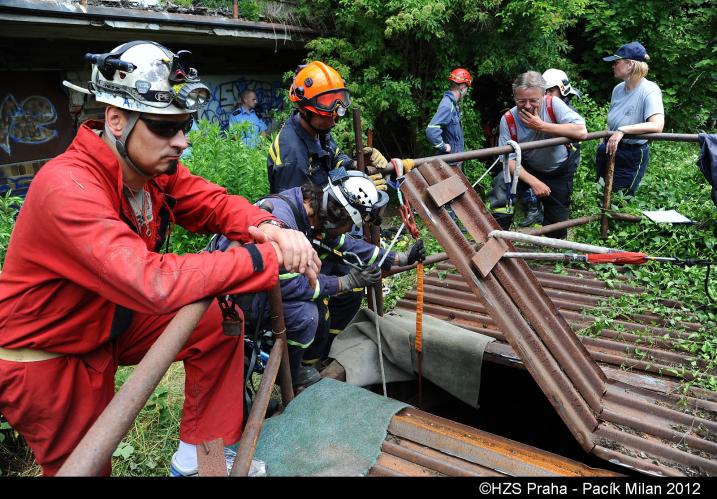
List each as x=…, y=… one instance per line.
x=320, y=89
x=460, y=75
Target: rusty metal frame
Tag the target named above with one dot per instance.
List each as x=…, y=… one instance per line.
x=422, y=444
x=608, y=418
x=95, y=449
x=278, y=365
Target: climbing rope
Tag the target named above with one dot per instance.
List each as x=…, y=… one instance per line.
x=486, y=172
x=410, y=223
x=516, y=172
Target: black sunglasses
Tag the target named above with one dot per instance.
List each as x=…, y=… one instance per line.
x=167, y=129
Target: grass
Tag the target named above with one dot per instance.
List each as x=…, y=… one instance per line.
x=148, y=447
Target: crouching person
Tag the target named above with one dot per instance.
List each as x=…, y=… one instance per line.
x=85, y=288
x=325, y=215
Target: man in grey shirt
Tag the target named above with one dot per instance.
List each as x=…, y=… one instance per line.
x=548, y=171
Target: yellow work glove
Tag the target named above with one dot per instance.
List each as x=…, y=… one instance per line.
x=377, y=158
x=379, y=182
x=401, y=166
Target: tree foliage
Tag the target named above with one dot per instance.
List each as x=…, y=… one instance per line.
x=680, y=39
x=395, y=55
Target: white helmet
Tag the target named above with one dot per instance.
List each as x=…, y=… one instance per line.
x=558, y=78
x=143, y=77
x=146, y=77
x=357, y=194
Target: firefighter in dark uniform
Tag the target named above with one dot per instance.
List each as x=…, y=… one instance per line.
x=304, y=151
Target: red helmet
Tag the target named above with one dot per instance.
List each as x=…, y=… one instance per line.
x=320, y=89
x=460, y=75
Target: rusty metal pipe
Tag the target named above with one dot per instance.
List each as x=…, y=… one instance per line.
x=278, y=357
x=95, y=449
x=250, y=436
x=371, y=233
x=278, y=327
x=537, y=231
x=358, y=140
x=539, y=144
x=235, y=9
x=604, y=225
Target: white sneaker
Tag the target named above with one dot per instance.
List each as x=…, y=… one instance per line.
x=175, y=469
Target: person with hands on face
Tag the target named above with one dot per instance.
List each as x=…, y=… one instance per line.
x=635, y=108
x=548, y=171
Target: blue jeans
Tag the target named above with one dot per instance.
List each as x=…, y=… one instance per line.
x=630, y=166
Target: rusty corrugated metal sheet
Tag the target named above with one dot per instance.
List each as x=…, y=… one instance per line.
x=421, y=444
x=615, y=415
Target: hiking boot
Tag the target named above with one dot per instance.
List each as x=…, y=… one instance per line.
x=305, y=376
x=533, y=216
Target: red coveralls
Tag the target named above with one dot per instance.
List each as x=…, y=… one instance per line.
x=76, y=252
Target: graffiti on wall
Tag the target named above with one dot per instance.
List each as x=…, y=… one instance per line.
x=26, y=122
x=226, y=94
x=35, y=125
x=17, y=176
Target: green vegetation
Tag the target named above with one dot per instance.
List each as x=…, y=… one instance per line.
x=222, y=158
x=9, y=206
x=395, y=55
x=248, y=9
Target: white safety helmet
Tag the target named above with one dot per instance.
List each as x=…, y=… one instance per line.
x=146, y=77
x=357, y=194
x=143, y=77
x=557, y=78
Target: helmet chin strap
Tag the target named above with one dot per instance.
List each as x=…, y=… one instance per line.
x=306, y=115
x=120, y=143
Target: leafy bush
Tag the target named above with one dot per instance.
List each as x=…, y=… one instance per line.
x=395, y=56
x=248, y=9
x=678, y=36
x=222, y=158
x=9, y=206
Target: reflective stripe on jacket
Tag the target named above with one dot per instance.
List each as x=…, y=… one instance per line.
x=295, y=157
x=445, y=127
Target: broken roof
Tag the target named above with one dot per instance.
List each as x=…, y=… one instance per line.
x=627, y=420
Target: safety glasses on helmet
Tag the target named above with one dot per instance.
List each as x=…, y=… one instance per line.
x=167, y=128
x=331, y=101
